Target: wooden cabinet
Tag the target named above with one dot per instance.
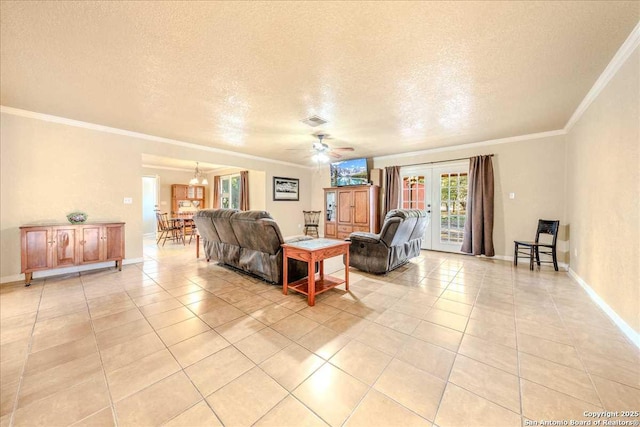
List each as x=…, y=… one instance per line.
x=46, y=247
x=349, y=209
x=187, y=196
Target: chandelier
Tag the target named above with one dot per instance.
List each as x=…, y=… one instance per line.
x=198, y=177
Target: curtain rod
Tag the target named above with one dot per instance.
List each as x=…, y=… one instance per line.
x=444, y=161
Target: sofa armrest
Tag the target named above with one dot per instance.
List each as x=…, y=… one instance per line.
x=363, y=237
x=294, y=239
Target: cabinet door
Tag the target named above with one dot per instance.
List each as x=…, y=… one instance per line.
x=36, y=248
x=91, y=248
x=191, y=192
x=330, y=213
x=65, y=251
x=361, y=207
x=200, y=192
x=114, y=242
x=345, y=207
x=179, y=191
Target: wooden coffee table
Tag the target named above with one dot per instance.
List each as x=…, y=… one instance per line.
x=312, y=251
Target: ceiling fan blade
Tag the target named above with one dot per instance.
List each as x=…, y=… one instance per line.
x=343, y=149
x=334, y=155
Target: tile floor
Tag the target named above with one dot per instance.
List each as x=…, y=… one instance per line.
x=446, y=340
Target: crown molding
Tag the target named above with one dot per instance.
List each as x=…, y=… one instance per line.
x=618, y=60
x=487, y=143
x=107, y=129
x=167, y=168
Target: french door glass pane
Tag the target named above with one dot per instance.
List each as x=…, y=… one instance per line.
x=413, y=192
x=453, y=209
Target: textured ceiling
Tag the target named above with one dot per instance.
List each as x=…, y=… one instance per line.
x=388, y=76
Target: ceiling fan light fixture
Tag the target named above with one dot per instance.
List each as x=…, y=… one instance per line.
x=320, y=157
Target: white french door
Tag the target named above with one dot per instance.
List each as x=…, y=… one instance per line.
x=442, y=191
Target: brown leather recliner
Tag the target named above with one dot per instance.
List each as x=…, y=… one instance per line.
x=249, y=241
x=399, y=240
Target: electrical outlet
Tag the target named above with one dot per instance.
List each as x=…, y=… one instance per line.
x=575, y=252
x=512, y=195
x=299, y=225
x=128, y=201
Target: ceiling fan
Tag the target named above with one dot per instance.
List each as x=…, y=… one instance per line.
x=321, y=151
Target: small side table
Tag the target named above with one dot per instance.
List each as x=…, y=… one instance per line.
x=312, y=251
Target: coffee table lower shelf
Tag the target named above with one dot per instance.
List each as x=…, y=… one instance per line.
x=322, y=285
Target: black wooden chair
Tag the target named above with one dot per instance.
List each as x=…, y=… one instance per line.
x=311, y=220
x=536, y=248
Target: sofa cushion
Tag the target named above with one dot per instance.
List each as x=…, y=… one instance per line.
x=256, y=230
x=222, y=222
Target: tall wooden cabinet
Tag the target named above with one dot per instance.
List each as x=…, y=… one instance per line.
x=187, y=196
x=46, y=247
x=349, y=209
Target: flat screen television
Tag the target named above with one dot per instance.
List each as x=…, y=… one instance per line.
x=349, y=172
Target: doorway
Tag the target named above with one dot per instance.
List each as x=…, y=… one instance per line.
x=442, y=191
x=149, y=205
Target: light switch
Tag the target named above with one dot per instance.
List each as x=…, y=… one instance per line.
x=512, y=195
x=128, y=200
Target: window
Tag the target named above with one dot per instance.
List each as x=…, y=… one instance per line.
x=230, y=191
x=453, y=206
x=413, y=192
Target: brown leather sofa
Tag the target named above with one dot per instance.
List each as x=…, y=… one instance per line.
x=248, y=241
x=399, y=240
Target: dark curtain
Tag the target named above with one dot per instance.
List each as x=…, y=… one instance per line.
x=478, y=229
x=216, y=192
x=392, y=188
x=244, y=190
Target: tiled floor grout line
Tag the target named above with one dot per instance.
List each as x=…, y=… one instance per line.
x=515, y=322
x=104, y=374
x=578, y=353
x=26, y=358
x=182, y=368
x=517, y=286
x=446, y=382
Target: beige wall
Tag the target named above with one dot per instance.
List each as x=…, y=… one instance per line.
x=603, y=191
x=533, y=169
x=49, y=169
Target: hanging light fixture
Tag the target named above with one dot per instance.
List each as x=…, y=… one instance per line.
x=198, y=177
x=320, y=157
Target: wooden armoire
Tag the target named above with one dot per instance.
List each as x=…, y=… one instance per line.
x=351, y=208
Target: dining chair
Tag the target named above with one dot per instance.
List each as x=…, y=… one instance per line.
x=531, y=250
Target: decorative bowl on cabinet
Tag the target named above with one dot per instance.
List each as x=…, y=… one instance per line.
x=77, y=217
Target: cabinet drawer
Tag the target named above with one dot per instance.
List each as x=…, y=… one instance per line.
x=342, y=235
x=345, y=228
x=365, y=229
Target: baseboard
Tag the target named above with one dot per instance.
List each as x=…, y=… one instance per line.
x=561, y=265
x=68, y=270
x=624, y=326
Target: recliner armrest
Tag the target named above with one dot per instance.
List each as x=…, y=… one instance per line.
x=360, y=236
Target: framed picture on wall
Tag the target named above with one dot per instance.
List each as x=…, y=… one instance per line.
x=286, y=188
